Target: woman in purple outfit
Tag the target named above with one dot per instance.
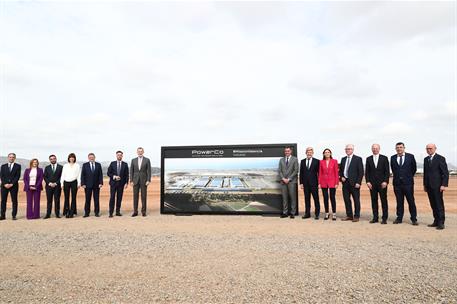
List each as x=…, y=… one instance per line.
x=33, y=180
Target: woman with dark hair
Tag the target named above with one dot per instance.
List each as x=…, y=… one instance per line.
x=71, y=177
x=33, y=184
x=328, y=181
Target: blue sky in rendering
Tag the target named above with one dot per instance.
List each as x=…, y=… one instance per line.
x=101, y=76
x=221, y=163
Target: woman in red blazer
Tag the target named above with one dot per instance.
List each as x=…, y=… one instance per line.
x=328, y=181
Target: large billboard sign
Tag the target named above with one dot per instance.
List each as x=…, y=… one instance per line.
x=235, y=179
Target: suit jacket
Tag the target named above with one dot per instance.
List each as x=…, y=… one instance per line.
x=403, y=175
x=355, y=171
x=91, y=179
x=140, y=175
x=328, y=176
x=39, y=179
x=379, y=174
x=309, y=176
x=436, y=173
x=12, y=177
x=52, y=177
x=291, y=171
x=124, y=173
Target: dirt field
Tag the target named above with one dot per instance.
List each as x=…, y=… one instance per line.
x=228, y=259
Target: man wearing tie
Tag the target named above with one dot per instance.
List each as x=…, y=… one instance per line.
x=118, y=172
x=309, y=175
x=52, y=175
x=436, y=179
x=92, y=181
x=377, y=175
x=351, y=174
x=288, y=171
x=9, y=179
x=140, y=177
x=404, y=168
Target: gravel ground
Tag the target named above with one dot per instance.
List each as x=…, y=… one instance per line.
x=226, y=259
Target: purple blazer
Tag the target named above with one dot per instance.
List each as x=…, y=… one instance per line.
x=39, y=179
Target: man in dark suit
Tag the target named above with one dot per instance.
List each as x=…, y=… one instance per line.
x=377, y=173
x=404, y=168
x=118, y=172
x=351, y=174
x=52, y=174
x=92, y=181
x=436, y=179
x=9, y=178
x=140, y=177
x=309, y=174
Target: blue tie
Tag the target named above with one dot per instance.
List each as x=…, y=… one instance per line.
x=92, y=167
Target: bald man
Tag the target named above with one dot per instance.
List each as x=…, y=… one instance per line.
x=436, y=179
x=377, y=175
x=351, y=175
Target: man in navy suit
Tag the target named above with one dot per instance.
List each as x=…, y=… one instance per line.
x=118, y=172
x=92, y=181
x=9, y=178
x=309, y=173
x=436, y=179
x=404, y=167
x=351, y=175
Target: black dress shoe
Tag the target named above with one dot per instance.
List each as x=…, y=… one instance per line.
x=292, y=216
x=397, y=221
x=110, y=215
x=134, y=214
x=283, y=216
x=2, y=218
x=143, y=214
x=97, y=215
x=373, y=221
x=14, y=218
x=306, y=216
x=384, y=222
x=316, y=217
x=67, y=216
x=415, y=223
x=440, y=227
x=86, y=215
x=71, y=216
x=432, y=225
x=46, y=217
x=57, y=216
x=118, y=214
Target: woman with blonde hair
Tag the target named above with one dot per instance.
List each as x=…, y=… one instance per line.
x=33, y=184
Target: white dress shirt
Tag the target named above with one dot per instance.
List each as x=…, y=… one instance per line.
x=32, y=177
x=71, y=172
x=398, y=158
x=375, y=160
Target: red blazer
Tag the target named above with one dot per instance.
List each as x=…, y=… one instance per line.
x=328, y=176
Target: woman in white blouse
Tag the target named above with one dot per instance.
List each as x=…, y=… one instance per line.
x=33, y=184
x=71, y=178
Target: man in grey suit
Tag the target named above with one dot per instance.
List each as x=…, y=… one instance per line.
x=140, y=177
x=288, y=172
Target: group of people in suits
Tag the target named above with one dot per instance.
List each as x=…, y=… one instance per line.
x=327, y=175
x=70, y=177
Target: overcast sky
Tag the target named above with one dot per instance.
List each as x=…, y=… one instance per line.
x=98, y=77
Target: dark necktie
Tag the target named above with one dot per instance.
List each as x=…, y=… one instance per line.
x=307, y=163
x=53, y=169
x=118, y=168
x=401, y=160
x=287, y=162
x=92, y=167
x=430, y=160
x=11, y=167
